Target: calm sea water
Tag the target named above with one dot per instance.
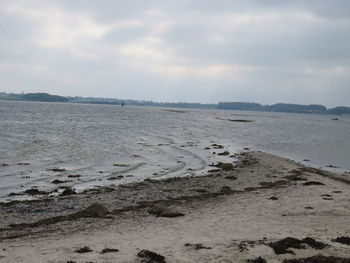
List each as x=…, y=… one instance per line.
x=111, y=145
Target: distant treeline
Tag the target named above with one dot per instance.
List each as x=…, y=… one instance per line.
x=247, y=106
x=44, y=97
x=282, y=107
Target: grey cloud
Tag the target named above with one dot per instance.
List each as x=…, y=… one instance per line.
x=265, y=51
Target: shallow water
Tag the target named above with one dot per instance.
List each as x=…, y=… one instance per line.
x=102, y=142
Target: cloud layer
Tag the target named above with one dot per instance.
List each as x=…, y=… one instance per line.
x=186, y=50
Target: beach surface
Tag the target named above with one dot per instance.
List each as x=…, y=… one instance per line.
x=229, y=215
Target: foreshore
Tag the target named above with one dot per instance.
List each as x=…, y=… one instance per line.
x=228, y=215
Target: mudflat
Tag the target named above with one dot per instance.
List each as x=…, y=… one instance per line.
x=263, y=209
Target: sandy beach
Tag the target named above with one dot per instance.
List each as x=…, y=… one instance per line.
x=229, y=215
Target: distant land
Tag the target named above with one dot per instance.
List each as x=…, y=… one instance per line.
x=245, y=106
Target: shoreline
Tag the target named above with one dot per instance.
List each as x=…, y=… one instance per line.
x=262, y=199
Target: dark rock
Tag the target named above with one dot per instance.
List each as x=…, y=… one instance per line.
x=109, y=250
x=115, y=177
x=217, y=146
x=96, y=210
x=257, y=260
x=282, y=246
x=171, y=213
x=344, y=240
x=225, y=153
x=196, y=246
x=23, y=163
x=318, y=259
x=121, y=165
x=313, y=183
x=68, y=191
x=57, y=181
x=201, y=190
x=83, y=250
x=309, y=207
x=226, y=190
x=57, y=170
x=151, y=257
x=231, y=177
x=239, y=120
x=313, y=243
x=273, y=198
x=74, y=175
x=332, y=166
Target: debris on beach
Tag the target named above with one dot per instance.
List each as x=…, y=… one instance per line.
x=226, y=190
x=164, y=211
x=217, y=146
x=109, y=250
x=74, y=175
x=313, y=243
x=121, y=165
x=57, y=181
x=196, y=246
x=23, y=163
x=235, y=120
x=225, y=153
x=119, y=177
x=332, y=166
x=344, y=240
x=318, y=259
x=282, y=246
x=83, y=250
x=257, y=260
x=151, y=257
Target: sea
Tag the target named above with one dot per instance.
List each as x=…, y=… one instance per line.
x=50, y=146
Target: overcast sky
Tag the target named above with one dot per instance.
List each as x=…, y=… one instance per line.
x=265, y=51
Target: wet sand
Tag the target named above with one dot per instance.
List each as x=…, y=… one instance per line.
x=228, y=216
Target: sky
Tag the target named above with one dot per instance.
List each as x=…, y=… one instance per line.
x=266, y=51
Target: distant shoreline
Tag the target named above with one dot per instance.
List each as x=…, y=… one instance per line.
x=240, y=106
